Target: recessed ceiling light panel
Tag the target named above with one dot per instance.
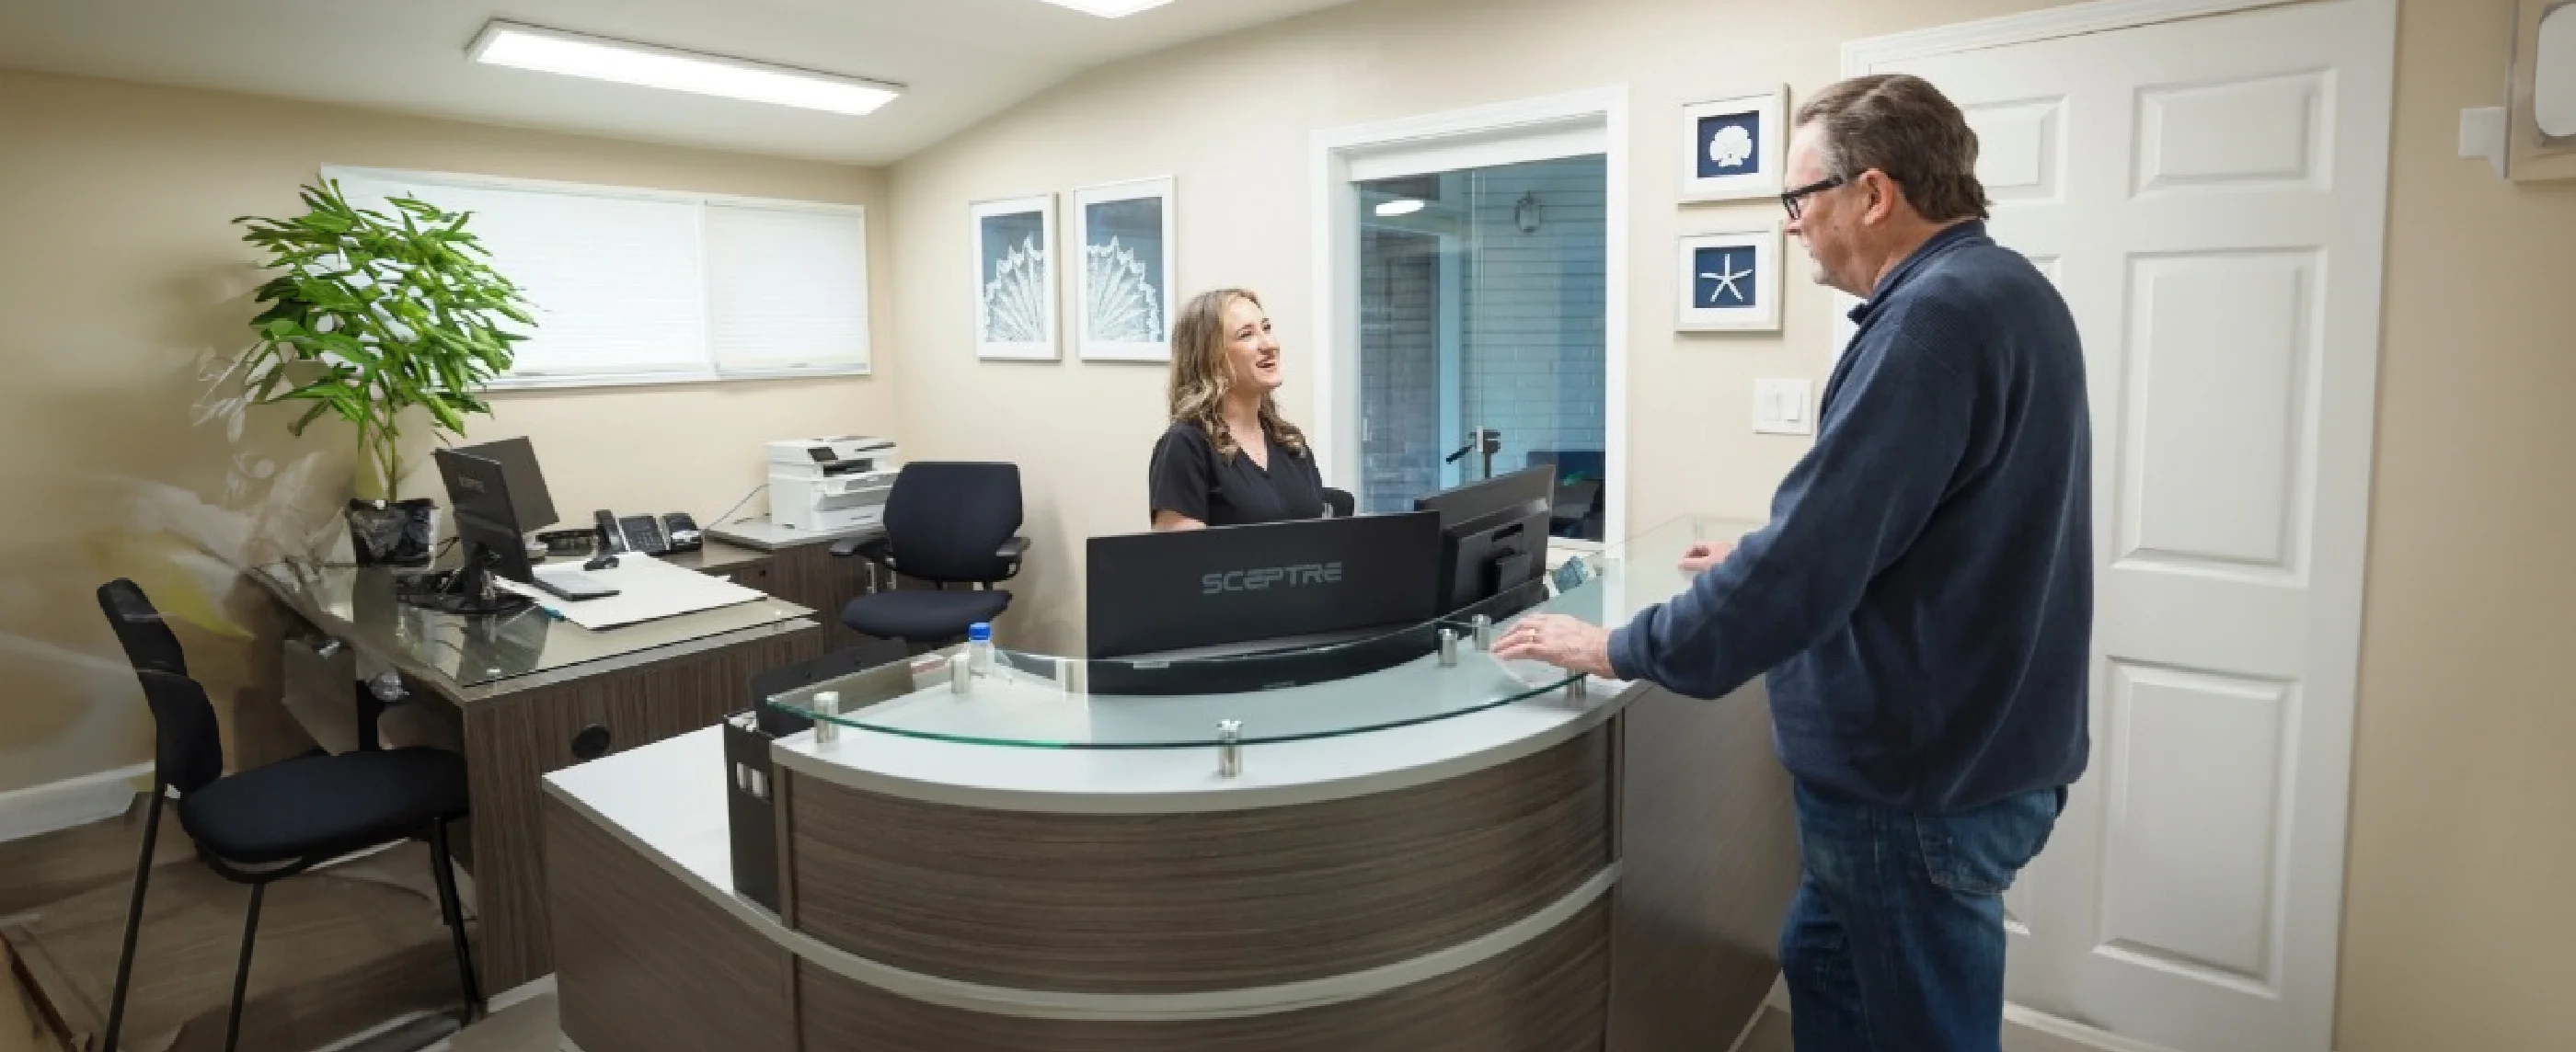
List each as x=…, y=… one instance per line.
x=600, y=58
x=1109, y=8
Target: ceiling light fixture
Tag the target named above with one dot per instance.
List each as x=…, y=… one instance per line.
x=1404, y=206
x=1109, y=8
x=579, y=55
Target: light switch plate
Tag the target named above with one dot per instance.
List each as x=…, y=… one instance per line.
x=1781, y=407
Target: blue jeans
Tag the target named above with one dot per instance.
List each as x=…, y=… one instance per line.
x=1896, y=940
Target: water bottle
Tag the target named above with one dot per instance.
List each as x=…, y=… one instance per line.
x=979, y=648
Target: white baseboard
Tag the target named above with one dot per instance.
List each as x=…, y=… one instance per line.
x=2070, y=1030
x=520, y=994
x=40, y=809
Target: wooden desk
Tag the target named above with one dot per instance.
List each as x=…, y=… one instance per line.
x=534, y=695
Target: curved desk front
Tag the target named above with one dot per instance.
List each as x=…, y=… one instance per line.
x=1435, y=855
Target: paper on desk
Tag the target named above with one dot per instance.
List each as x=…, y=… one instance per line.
x=647, y=589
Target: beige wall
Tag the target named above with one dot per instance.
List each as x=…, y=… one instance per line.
x=122, y=277
x=1230, y=121
x=2461, y=838
x=2457, y=914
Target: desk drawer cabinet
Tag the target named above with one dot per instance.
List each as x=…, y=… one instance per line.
x=514, y=740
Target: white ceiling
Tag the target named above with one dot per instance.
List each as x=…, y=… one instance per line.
x=962, y=60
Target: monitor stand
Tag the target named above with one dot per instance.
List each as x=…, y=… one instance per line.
x=466, y=590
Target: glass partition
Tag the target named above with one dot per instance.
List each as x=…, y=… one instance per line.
x=1404, y=676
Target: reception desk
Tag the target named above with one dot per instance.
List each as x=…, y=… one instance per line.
x=1439, y=853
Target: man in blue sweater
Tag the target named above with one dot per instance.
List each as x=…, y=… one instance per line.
x=1922, y=596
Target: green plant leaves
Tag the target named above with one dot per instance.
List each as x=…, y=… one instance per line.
x=368, y=315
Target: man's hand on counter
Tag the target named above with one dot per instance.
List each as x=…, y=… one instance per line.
x=1705, y=554
x=1558, y=640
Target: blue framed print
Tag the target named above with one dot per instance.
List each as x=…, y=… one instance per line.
x=1736, y=146
x=1015, y=300
x=1729, y=281
x=1122, y=278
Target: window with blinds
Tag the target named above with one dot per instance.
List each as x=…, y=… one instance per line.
x=643, y=286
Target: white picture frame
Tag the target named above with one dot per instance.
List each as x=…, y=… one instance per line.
x=1734, y=147
x=1015, y=308
x=1728, y=280
x=1122, y=287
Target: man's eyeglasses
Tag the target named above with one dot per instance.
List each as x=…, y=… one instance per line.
x=1795, y=200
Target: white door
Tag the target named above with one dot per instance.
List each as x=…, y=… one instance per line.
x=2208, y=194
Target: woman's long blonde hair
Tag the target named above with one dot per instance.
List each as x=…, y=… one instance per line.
x=1202, y=375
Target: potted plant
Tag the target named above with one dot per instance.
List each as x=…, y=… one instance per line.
x=368, y=317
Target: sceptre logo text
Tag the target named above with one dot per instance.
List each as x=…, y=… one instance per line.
x=1301, y=575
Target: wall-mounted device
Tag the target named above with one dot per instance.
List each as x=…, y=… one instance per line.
x=830, y=485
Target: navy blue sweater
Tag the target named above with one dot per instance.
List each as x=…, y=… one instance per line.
x=1922, y=596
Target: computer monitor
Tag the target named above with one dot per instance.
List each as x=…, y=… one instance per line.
x=1493, y=541
x=479, y=495
x=1240, y=589
x=530, y=503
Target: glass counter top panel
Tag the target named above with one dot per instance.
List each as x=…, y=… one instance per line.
x=1394, y=678
x=360, y=603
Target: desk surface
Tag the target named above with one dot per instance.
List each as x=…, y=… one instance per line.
x=477, y=656
x=763, y=534
x=1020, y=739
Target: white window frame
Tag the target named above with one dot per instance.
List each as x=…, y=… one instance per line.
x=711, y=372
x=1570, y=125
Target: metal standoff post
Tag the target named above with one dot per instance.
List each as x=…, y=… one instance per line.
x=1578, y=689
x=1448, y=648
x=1229, y=748
x=961, y=674
x=827, y=704
x=1484, y=632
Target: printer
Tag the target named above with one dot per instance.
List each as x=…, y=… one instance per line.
x=830, y=485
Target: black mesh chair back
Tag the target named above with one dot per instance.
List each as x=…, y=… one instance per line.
x=146, y=636
x=1338, y=503
x=187, y=744
x=946, y=522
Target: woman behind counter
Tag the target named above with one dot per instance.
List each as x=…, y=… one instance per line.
x=1229, y=458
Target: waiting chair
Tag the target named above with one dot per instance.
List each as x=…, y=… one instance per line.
x=260, y=826
x=945, y=523
x=1338, y=503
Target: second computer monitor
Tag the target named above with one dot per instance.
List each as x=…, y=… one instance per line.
x=480, y=494
x=530, y=503
x=1493, y=544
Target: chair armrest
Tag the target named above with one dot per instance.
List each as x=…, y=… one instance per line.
x=1012, y=550
x=874, y=549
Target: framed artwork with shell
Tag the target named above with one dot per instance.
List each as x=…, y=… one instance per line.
x=1737, y=146
x=1122, y=275
x=1015, y=302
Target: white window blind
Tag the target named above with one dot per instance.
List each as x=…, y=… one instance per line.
x=786, y=287
x=634, y=286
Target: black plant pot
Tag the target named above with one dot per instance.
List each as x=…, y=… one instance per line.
x=396, y=534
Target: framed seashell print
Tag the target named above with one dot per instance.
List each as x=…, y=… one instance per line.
x=1736, y=146
x=1122, y=279
x=1015, y=302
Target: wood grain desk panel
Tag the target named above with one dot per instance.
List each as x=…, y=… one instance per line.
x=648, y=964
x=513, y=741
x=1710, y=849
x=1201, y=901
x=1549, y=995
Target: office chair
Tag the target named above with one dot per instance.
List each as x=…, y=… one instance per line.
x=945, y=523
x=1338, y=503
x=260, y=826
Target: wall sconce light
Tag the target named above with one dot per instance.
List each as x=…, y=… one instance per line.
x=1527, y=213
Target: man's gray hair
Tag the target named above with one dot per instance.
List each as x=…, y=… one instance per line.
x=1905, y=128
